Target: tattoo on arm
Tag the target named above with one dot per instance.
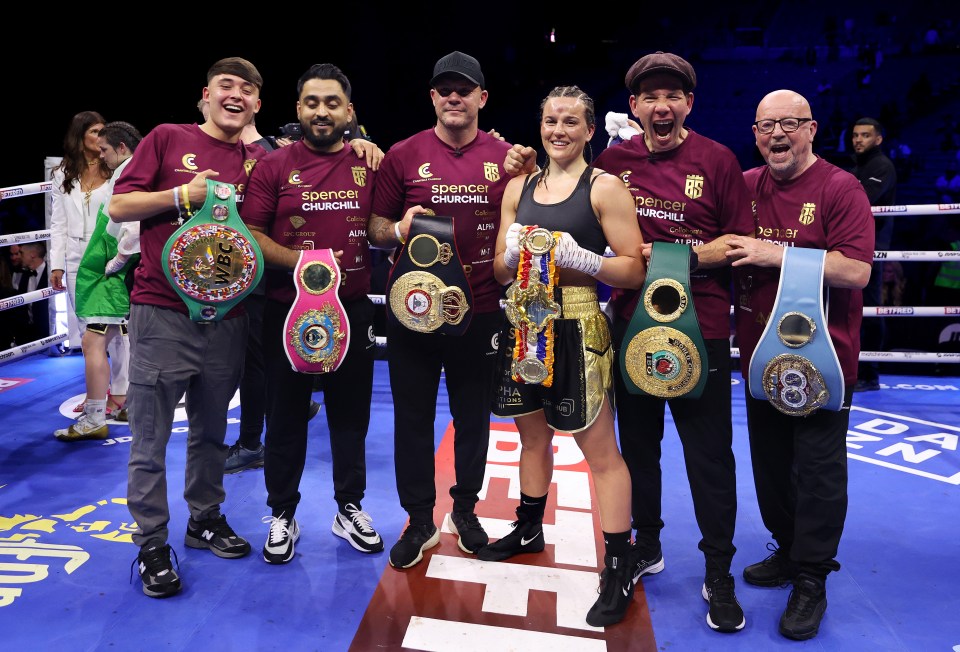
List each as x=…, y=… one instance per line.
x=380, y=232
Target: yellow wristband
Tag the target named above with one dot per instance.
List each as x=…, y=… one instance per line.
x=186, y=199
x=396, y=231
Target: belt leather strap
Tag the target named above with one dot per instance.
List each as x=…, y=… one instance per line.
x=316, y=333
x=662, y=352
x=795, y=365
x=213, y=261
x=428, y=290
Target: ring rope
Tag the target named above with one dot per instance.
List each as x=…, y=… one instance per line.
x=914, y=210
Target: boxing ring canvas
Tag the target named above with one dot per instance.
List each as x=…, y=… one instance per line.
x=66, y=581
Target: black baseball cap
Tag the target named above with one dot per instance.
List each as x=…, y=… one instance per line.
x=461, y=64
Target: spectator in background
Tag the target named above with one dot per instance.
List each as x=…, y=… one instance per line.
x=877, y=175
x=34, y=277
x=11, y=316
x=16, y=262
x=79, y=189
x=103, y=295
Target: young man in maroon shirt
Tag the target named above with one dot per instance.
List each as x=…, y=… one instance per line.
x=800, y=462
x=451, y=169
x=170, y=354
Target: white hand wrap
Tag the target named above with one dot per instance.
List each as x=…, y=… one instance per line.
x=572, y=256
x=511, y=257
x=115, y=264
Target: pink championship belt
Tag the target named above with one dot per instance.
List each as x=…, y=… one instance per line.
x=316, y=333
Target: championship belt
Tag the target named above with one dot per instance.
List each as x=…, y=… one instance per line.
x=316, y=333
x=212, y=261
x=795, y=366
x=531, y=309
x=662, y=352
x=427, y=287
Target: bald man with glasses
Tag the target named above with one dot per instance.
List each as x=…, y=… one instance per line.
x=800, y=462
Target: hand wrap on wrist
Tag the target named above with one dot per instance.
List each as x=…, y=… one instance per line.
x=511, y=256
x=573, y=256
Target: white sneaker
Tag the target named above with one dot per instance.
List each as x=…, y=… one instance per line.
x=356, y=527
x=281, y=539
x=84, y=428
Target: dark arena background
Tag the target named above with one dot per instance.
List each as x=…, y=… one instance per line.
x=65, y=547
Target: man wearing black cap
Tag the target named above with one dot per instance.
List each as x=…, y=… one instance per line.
x=452, y=169
x=688, y=189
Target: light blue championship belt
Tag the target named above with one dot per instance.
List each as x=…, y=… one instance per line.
x=662, y=352
x=316, y=333
x=212, y=261
x=795, y=366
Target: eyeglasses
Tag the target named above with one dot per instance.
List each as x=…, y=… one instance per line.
x=462, y=91
x=789, y=125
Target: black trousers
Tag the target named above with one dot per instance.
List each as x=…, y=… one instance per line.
x=253, y=393
x=800, y=472
x=346, y=393
x=415, y=361
x=705, y=428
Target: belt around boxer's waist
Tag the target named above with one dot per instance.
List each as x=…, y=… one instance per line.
x=578, y=301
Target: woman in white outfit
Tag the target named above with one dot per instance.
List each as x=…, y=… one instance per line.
x=102, y=289
x=79, y=188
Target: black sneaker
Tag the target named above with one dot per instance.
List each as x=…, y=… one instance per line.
x=725, y=614
x=526, y=536
x=805, y=607
x=156, y=572
x=467, y=527
x=283, y=534
x=408, y=550
x=356, y=527
x=217, y=536
x=241, y=459
x=775, y=570
x=648, y=566
x=616, y=590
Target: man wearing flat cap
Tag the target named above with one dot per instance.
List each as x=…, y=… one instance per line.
x=688, y=189
x=452, y=169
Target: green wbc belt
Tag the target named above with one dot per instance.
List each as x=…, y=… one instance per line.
x=212, y=261
x=662, y=352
